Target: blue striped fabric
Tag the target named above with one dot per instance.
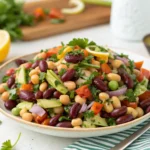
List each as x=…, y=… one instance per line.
x=109, y=141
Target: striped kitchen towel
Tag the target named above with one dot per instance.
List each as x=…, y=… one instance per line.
x=109, y=141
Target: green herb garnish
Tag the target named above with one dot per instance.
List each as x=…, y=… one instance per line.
x=42, y=76
x=130, y=95
x=111, y=121
x=13, y=94
x=36, y=87
x=64, y=118
x=76, y=52
x=53, y=58
x=88, y=114
x=5, y=78
x=62, y=71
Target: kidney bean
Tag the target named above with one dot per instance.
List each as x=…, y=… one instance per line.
x=100, y=84
x=148, y=109
x=145, y=103
x=20, y=61
x=65, y=124
x=54, y=120
x=48, y=93
x=74, y=58
x=27, y=95
x=10, y=104
x=39, y=95
x=43, y=66
x=105, y=114
x=10, y=81
x=10, y=71
x=35, y=64
x=124, y=119
x=119, y=112
x=57, y=94
x=74, y=110
x=67, y=76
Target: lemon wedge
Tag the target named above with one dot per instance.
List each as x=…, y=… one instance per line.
x=100, y=55
x=99, y=2
x=79, y=7
x=4, y=44
x=65, y=51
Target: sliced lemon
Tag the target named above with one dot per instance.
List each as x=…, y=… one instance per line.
x=65, y=51
x=99, y=2
x=100, y=55
x=79, y=7
x=4, y=44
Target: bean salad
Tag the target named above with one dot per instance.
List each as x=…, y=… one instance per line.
x=77, y=85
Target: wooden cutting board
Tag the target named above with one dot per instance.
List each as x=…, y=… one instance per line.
x=92, y=15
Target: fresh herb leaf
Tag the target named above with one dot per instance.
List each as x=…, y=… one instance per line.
x=7, y=144
x=62, y=71
x=83, y=43
x=53, y=58
x=57, y=21
x=42, y=76
x=88, y=59
x=5, y=78
x=35, y=87
x=13, y=94
x=61, y=50
x=46, y=50
x=76, y=52
x=95, y=92
x=64, y=118
x=79, y=72
x=67, y=109
x=131, y=65
x=111, y=121
x=88, y=114
x=130, y=95
x=87, y=65
x=72, y=94
x=57, y=83
x=123, y=55
x=6, y=88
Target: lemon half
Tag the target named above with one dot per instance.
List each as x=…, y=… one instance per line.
x=79, y=7
x=4, y=44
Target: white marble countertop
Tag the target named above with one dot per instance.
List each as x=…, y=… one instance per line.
x=32, y=140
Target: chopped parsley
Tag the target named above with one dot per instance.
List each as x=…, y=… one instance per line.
x=130, y=95
x=79, y=72
x=6, y=88
x=13, y=94
x=61, y=50
x=42, y=76
x=44, y=50
x=88, y=59
x=5, y=78
x=75, y=52
x=123, y=55
x=53, y=58
x=35, y=87
x=95, y=92
x=57, y=83
x=131, y=65
x=64, y=118
x=111, y=121
x=62, y=71
x=72, y=94
x=88, y=114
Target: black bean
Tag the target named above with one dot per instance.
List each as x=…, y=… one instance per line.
x=74, y=58
x=48, y=93
x=65, y=124
x=10, y=81
x=74, y=110
x=27, y=96
x=10, y=104
x=43, y=66
x=20, y=61
x=54, y=120
x=124, y=119
x=100, y=84
x=67, y=76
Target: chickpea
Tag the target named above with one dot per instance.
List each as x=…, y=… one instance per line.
x=33, y=72
x=40, y=55
x=93, y=70
x=76, y=122
x=132, y=111
x=80, y=81
x=5, y=96
x=38, y=69
x=136, y=72
x=43, y=86
x=140, y=111
x=2, y=89
x=113, y=76
x=64, y=99
x=71, y=66
x=116, y=102
x=117, y=63
x=35, y=79
x=27, y=116
x=95, y=62
x=58, y=110
x=108, y=107
x=51, y=65
x=70, y=85
x=79, y=99
x=61, y=66
x=77, y=127
x=103, y=96
x=86, y=73
x=24, y=110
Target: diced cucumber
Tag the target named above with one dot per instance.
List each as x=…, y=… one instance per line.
x=27, y=105
x=88, y=124
x=49, y=103
x=22, y=76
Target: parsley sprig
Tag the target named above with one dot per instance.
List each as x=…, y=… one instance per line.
x=130, y=95
x=7, y=144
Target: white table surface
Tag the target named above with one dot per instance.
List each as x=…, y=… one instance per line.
x=35, y=141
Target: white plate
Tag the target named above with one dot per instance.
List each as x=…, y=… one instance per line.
x=70, y=132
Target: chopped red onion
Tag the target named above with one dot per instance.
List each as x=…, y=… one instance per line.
x=36, y=109
x=117, y=92
x=83, y=108
x=123, y=59
x=90, y=105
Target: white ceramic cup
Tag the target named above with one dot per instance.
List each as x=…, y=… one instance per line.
x=130, y=19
